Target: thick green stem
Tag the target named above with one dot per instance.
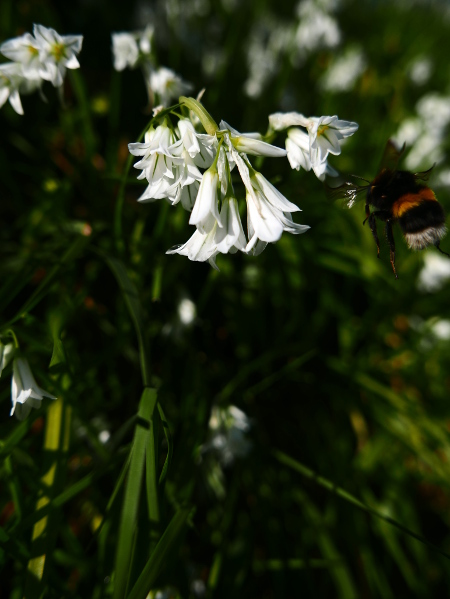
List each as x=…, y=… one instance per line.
x=206, y=119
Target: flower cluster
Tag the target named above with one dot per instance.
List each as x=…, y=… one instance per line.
x=43, y=56
x=25, y=392
x=309, y=149
x=170, y=161
x=137, y=49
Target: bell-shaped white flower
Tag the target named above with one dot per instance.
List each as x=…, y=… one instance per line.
x=158, y=164
x=200, y=247
x=125, y=50
x=249, y=143
x=6, y=353
x=325, y=135
x=297, y=146
x=25, y=392
x=230, y=237
x=269, y=213
x=168, y=85
x=11, y=79
x=207, y=202
x=298, y=154
x=24, y=50
x=199, y=146
x=56, y=53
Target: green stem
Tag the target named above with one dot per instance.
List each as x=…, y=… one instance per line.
x=210, y=125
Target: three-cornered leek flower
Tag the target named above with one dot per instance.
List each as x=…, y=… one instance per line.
x=125, y=50
x=325, y=135
x=56, y=53
x=206, y=208
x=25, y=51
x=11, y=79
x=6, y=353
x=25, y=392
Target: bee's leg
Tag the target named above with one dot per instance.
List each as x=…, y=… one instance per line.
x=373, y=228
x=391, y=241
x=367, y=214
x=442, y=252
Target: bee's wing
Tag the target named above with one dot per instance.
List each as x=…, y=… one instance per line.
x=424, y=175
x=345, y=195
x=391, y=156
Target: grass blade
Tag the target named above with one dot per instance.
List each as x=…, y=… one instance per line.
x=159, y=558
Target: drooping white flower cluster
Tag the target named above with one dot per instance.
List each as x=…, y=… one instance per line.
x=170, y=161
x=134, y=49
x=309, y=149
x=25, y=392
x=43, y=56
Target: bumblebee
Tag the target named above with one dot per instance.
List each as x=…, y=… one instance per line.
x=398, y=196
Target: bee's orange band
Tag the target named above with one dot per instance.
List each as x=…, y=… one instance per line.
x=410, y=200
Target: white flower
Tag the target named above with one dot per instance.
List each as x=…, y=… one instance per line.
x=199, y=146
x=11, y=79
x=297, y=146
x=25, y=392
x=146, y=39
x=24, y=50
x=282, y=120
x=56, y=53
x=230, y=237
x=325, y=133
x=125, y=50
x=435, y=272
x=200, y=247
x=269, y=213
x=158, y=164
x=168, y=85
x=344, y=71
x=250, y=144
x=228, y=434
x=6, y=353
x=206, y=209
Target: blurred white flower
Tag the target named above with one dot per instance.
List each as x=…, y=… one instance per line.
x=316, y=28
x=145, y=38
x=56, y=53
x=434, y=109
x=24, y=50
x=11, y=79
x=228, y=429
x=420, y=70
x=125, y=50
x=441, y=329
x=25, y=392
x=168, y=85
x=6, y=353
x=187, y=311
x=344, y=71
x=435, y=272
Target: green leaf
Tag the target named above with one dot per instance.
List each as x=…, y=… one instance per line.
x=127, y=530
x=161, y=555
x=333, y=488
